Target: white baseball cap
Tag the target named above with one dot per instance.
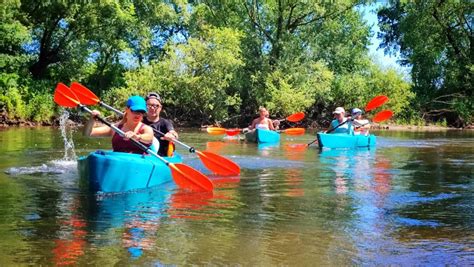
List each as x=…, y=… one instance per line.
x=339, y=110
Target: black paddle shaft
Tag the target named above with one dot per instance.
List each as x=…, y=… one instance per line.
x=340, y=124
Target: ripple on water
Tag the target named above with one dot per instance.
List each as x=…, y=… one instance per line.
x=265, y=163
x=426, y=143
x=414, y=222
x=415, y=198
x=53, y=167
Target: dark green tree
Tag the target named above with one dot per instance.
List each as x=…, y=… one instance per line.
x=435, y=38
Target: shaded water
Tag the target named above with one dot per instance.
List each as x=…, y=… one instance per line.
x=410, y=201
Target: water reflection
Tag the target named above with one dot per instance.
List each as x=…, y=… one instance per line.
x=401, y=204
x=265, y=149
x=71, y=242
x=349, y=166
x=138, y=214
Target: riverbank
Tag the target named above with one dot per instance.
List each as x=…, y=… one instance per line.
x=427, y=128
x=5, y=123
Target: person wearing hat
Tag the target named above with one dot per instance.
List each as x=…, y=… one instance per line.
x=131, y=124
x=361, y=126
x=153, y=119
x=340, y=124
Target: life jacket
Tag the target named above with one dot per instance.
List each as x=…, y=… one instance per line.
x=119, y=144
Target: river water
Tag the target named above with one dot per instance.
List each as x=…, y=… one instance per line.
x=410, y=201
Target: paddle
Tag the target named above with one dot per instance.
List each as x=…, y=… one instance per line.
x=183, y=175
x=376, y=102
x=372, y=104
x=294, y=117
x=293, y=131
x=232, y=132
x=215, y=130
x=382, y=116
x=216, y=163
x=235, y=131
x=379, y=117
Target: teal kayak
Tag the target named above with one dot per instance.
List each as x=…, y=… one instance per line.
x=107, y=171
x=262, y=136
x=345, y=140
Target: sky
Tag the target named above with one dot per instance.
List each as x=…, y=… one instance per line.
x=386, y=61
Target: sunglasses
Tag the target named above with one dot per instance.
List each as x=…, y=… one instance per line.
x=153, y=106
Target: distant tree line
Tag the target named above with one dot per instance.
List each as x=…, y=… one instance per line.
x=218, y=61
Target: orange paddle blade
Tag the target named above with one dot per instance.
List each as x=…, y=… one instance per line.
x=86, y=96
x=383, y=116
x=296, y=147
x=215, y=130
x=294, y=131
x=296, y=117
x=189, y=178
x=376, y=102
x=232, y=132
x=64, y=97
x=218, y=164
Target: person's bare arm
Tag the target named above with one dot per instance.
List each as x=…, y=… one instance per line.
x=170, y=136
x=147, y=135
x=254, y=123
x=90, y=130
x=270, y=125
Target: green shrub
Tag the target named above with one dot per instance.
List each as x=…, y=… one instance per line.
x=41, y=107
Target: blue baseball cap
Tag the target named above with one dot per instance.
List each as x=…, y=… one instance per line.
x=137, y=104
x=356, y=111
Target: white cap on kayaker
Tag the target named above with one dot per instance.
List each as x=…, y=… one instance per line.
x=339, y=110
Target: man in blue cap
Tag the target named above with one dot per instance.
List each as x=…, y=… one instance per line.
x=163, y=128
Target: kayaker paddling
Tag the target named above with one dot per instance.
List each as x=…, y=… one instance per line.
x=340, y=124
x=262, y=122
x=165, y=132
x=361, y=125
x=131, y=125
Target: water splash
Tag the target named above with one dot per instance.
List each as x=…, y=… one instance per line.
x=66, y=133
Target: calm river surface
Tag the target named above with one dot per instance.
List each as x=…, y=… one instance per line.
x=410, y=201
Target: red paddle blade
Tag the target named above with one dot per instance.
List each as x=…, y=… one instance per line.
x=376, y=102
x=64, y=97
x=86, y=96
x=382, y=116
x=295, y=117
x=215, y=130
x=232, y=132
x=218, y=164
x=294, y=131
x=189, y=178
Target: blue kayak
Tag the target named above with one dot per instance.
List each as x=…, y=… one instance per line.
x=345, y=140
x=107, y=171
x=262, y=136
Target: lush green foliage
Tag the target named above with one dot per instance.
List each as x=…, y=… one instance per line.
x=213, y=60
x=435, y=38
